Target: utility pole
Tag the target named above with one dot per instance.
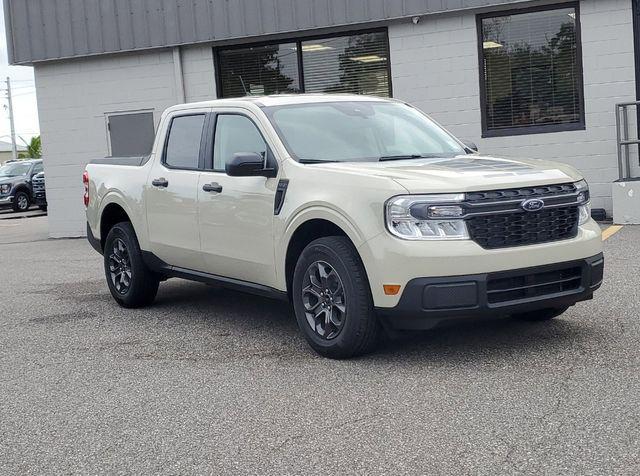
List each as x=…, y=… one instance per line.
x=14, y=148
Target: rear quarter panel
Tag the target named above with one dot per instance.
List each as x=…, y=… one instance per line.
x=122, y=185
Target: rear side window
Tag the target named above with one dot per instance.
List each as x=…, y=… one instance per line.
x=235, y=134
x=183, y=144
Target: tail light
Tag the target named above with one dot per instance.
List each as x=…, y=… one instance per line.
x=85, y=182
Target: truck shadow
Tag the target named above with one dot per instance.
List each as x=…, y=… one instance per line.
x=270, y=323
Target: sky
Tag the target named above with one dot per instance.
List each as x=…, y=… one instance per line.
x=24, y=96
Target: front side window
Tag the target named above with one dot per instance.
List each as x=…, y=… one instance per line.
x=360, y=131
x=235, y=134
x=183, y=144
x=531, y=77
x=354, y=64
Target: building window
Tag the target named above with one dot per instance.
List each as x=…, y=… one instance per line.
x=130, y=134
x=531, y=71
x=356, y=64
x=259, y=70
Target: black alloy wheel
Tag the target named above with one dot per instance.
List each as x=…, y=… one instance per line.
x=120, y=267
x=324, y=300
x=130, y=282
x=332, y=299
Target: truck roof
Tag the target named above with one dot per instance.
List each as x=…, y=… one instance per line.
x=278, y=100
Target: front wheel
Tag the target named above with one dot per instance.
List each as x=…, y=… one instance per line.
x=131, y=283
x=21, y=202
x=541, y=315
x=332, y=299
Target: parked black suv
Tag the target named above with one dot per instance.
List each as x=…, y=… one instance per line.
x=16, y=185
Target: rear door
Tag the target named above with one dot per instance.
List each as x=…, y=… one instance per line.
x=172, y=191
x=236, y=213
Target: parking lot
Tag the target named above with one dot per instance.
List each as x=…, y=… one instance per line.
x=211, y=381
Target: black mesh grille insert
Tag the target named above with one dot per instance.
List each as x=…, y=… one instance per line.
x=526, y=286
x=521, y=193
x=524, y=228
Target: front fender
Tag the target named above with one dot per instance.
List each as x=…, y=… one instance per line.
x=313, y=211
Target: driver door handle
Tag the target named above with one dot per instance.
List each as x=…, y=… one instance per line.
x=212, y=188
x=160, y=182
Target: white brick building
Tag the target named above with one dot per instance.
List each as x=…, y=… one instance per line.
x=491, y=71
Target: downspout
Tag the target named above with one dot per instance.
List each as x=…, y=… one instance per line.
x=179, y=76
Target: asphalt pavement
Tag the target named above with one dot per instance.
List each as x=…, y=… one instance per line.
x=215, y=382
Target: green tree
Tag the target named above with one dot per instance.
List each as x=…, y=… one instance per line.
x=34, y=149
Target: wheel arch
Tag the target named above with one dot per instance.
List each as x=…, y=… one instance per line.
x=303, y=231
x=22, y=187
x=112, y=214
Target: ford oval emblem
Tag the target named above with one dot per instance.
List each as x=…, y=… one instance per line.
x=532, y=205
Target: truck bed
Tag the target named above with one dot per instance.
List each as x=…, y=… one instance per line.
x=126, y=161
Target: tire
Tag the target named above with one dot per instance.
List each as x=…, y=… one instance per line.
x=131, y=283
x=541, y=315
x=353, y=328
x=21, y=202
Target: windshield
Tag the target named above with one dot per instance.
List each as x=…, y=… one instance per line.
x=14, y=170
x=359, y=131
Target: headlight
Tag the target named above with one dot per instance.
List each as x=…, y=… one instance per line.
x=585, y=213
x=5, y=188
x=426, y=217
x=584, y=198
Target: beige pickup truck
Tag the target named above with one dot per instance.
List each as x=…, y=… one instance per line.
x=362, y=212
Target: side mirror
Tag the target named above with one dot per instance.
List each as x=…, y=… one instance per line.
x=248, y=164
x=470, y=145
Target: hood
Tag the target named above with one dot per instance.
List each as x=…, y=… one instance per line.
x=4, y=180
x=464, y=173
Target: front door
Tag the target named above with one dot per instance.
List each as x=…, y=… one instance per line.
x=171, y=193
x=236, y=213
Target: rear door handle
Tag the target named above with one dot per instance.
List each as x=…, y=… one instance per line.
x=212, y=188
x=160, y=182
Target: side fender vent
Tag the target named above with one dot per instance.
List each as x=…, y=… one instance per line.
x=281, y=192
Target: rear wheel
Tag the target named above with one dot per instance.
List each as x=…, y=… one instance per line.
x=21, y=202
x=131, y=283
x=541, y=315
x=332, y=299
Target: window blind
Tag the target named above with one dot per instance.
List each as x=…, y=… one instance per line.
x=531, y=69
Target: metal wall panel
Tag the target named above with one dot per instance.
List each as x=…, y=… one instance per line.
x=40, y=30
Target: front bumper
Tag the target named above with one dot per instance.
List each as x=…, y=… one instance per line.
x=428, y=302
x=6, y=202
x=40, y=199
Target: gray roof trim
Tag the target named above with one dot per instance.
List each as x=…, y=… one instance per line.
x=44, y=30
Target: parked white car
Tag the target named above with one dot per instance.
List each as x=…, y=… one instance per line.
x=363, y=212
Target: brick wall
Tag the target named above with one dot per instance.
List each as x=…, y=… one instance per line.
x=435, y=67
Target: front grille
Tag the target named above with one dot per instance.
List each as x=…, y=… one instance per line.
x=503, y=230
x=533, y=285
x=37, y=185
x=524, y=193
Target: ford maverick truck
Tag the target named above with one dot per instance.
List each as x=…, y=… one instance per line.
x=364, y=213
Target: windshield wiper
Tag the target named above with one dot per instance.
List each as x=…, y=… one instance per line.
x=412, y=156
x=385, y=158
x=317, y=161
